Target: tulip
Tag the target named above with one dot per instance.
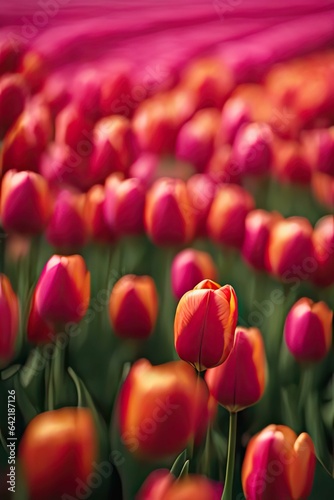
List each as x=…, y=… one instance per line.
x=169, y=216
x=114, y=147
x=308, y=330
x=145, y=168
x=195, y=140
x=26, y=140
x=278, y=464
x=25, y=205
x=9, y=320
x=34, y=69
x=133, y=306
x=11, y=50
x=116, y=86
x=162, y=485
x=13, y=93
x=290, y=163
x=257, y=229
x=252, y=149
x=209, y=80
x=57, y=453
x=289, y=252
x=235, y=113
x=63, y=290
x=226, y=220
x=73, y=128
x=322, y=150
x=38, y=330
x=323, y=244
x=86, y=92
x=201, y=190
x=221, y=168
x=124, y=205
x=55, y=93
x=323, y=189
x=157, y=409
x=189, y=267
x=236, y=388
x=204, y=326
x=95, y=218
x=67, y=227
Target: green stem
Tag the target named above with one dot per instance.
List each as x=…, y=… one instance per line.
x=228, y=486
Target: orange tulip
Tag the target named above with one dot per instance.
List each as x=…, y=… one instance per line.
x=236, y=388
x=133, y=306
x=158, y=413
x=63, y=290
x=9, y=320
x=25, y=203
x=58, y=452
x=169, y=216
x=278, y=464
x=204, y=326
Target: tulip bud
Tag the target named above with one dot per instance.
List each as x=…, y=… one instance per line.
x=26, y=140
x=322, y=150
x=25, y=204
x=86, y=92
x=67, y=227
x=195, y=140
x=289, y=252
x=236, y=388
x=226, y=219
x=114, y=147
x=116, y=87
x=204, y=326
x=73, y=128
x=169, y=216
x=38, y=331
x=290, y=163
x=278, y=464
x=252, y=149
x=221, y=167
x=162, y=485
x=235, y=113
x=63, y=290
x=201, y=190
x=189, y=267
x=257, y=229
x=323, y=189
x=55, y=93
x=157, y=409
x=209, y=80
x=67, y=441
x=133, y=306
x=13, y=93
x=145, y=169
x=98, y=227
x=11, y=50
x=9, y=320
x=308, y=330
x=323, y=244
x=124, y=205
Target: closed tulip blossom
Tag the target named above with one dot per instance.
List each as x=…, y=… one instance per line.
x=308, y=330
x=13, y=93
x=9, y=320
x=240, y=381
x=157, y=409
x=235, y=113
x=278, y=465
x=226, y=219
x=98, y=228
x=323, y=244
x=25, y=202
x=133, y=306
x=57, y=452
x=291, y=163
x=201, y=191
x=169, y=215
x=289, y=252
x=252, y=149
x=73, y=128
x=189, y=267
x=63, y=290
x=162, y=485
x=204, y=326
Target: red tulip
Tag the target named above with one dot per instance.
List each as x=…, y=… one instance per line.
x=323, y=243
x=201, y=191
x=13, y=93
x=221, y=168
x=145, y=169
x=226, y=220
x=236, y=388
x=252, y=149
x=116, y=86
x=205, y=322
x=63, y=290
x=278, y=464
x=323, y=189
x=74, y=129
x=25, y=204
x=169, y=216
x=322, y=149
x=189, y=267
x=9, y=320
x=235, y=113
x=133, y=306
x=308, y=330
x=67, y=441
x=157, y=409
x=291, y=163
x=95, y=218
